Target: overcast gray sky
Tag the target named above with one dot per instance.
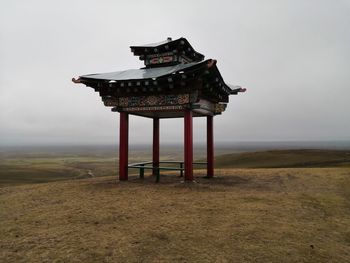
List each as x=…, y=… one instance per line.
x=292, y=56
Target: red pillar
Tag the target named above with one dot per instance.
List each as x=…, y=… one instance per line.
x=210, y=147
x=123, y=146
x=155, y=155
x=188, y=130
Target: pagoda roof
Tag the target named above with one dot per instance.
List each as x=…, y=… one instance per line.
x=179, y=45
x=152, y=74
x=165, y=88
x=143, y=73
x=156, y=44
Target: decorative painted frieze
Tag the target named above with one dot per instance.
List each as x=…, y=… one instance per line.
x=144, y=101
x=219, y=108
x=154, y=108
x=162, y=58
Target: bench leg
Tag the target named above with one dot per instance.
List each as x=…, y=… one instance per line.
x=157, y=175
x=142, y=173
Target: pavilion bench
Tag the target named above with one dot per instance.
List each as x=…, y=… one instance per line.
x=149, y=165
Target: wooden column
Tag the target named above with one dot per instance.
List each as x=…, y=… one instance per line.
x=210, y=147
x=188, y=152
x=123, y=146
x=155, y=156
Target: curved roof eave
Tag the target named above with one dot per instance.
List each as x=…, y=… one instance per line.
x=143, y=73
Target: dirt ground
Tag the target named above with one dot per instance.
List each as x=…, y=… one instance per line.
x=242, y=215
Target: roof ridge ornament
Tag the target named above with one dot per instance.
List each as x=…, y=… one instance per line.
x=76, y=80
x=211, y=63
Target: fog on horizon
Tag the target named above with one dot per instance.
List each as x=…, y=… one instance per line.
x=292, y=56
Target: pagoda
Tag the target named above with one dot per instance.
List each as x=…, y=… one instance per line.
x=175, y=82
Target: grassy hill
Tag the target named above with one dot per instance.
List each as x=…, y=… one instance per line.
x=293, y=206
x=285, y=159
x=243, y=215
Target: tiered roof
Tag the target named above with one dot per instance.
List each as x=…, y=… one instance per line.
x=177, y=51
x=172, y=68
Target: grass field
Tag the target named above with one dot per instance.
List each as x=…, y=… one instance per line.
x=48, y=165
x=34, y=167
x=285, y=159
x=254, y=214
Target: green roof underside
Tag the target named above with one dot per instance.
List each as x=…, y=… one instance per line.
x=143, y=73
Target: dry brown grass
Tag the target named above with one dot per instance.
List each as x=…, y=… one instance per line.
x=244, y=215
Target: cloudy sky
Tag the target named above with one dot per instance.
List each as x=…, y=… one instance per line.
x=292, y=56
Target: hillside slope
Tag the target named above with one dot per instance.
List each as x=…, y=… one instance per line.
x=243, y=215
x=40, y=168
x=285, y=159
